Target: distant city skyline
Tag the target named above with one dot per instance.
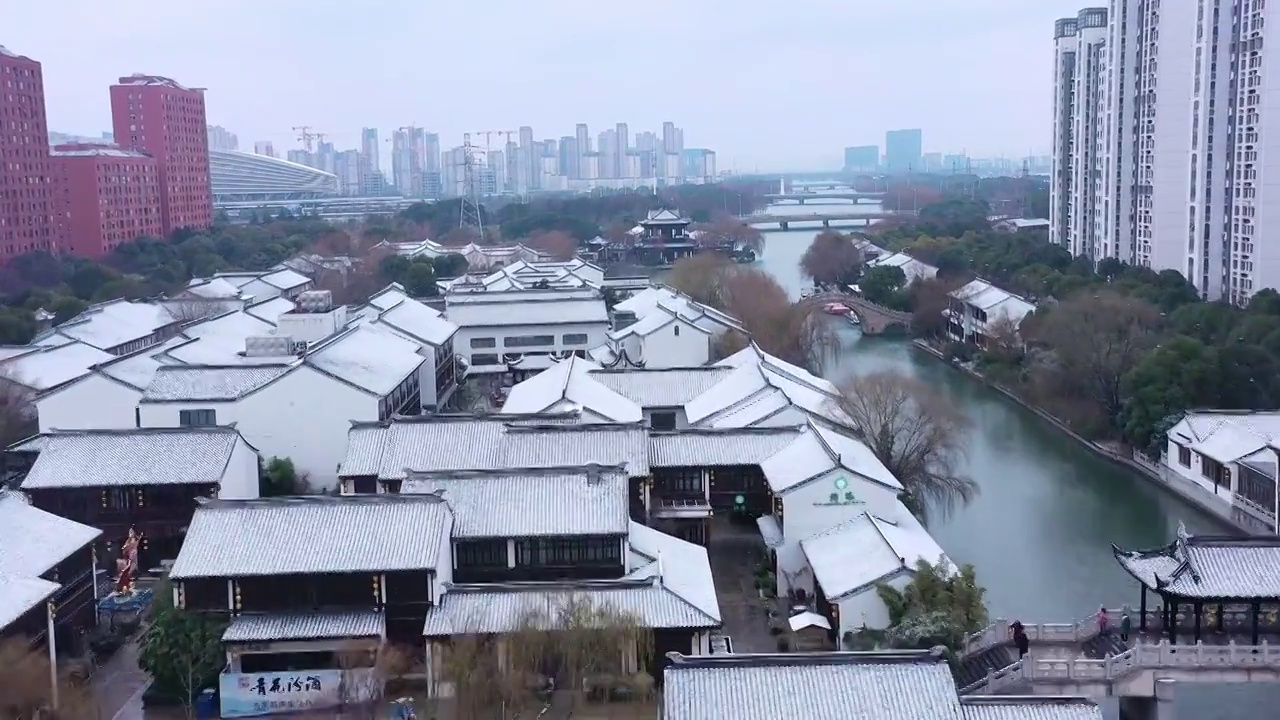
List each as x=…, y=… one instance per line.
x=768, y=89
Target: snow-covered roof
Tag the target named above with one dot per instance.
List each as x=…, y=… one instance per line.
x=524, y=275
x=389, y=450
x=35, y=541
x=822, y=450
x=652, y=298
x=213, y=288
x=20, y=595
x=525, y=307
x=314, y=534
x=534, y=502
x=44, y=368
x=1208, y=567
x=416, y=321
x=269, y=310
x=117, y=322
x=1226, y=435
x=566, y=386
x=685, y=568
x=132, y=457
x=220, y=339
x=283, y=279
x=374, y=361
x=994, y=301
x=912, y=268
x=861, y=552
x=665, y=387
x=764, y=390
x=698, y=447
x=138, y=369
x=214, y=383
x=320, y=625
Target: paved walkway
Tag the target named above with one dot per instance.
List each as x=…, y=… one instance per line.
x=117, y=686
x=734, y=552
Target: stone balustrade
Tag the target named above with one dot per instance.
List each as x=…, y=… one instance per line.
x=1143, y=656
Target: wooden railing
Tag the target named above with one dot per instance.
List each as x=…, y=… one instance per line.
x=1143, y=656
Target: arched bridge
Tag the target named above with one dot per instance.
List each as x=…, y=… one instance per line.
x=874, y=319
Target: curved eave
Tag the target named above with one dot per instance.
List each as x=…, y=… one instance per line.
x=1145, y=565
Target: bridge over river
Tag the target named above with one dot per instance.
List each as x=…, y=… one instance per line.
x=784, y=221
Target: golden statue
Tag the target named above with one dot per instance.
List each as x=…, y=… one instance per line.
x=127, y=563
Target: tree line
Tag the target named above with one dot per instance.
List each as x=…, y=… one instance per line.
x=1118, y=352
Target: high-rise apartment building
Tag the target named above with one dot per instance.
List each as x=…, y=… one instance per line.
x=346, y=165
x=1160, y=136
x=569, y=157
x=106, y=196
x=222, y=139
x=157, y=116
x=903, y=150
x=28, y=201
x=583, y=138
x=527, y=163
x=607, y=146
x=265, y=147
x=623, y=138
x=862, y=158
x=408, y=161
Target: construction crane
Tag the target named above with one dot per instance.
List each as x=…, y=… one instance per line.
x=488, y=137
x=305, y=136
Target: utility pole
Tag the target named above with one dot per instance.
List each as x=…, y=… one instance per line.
x=469, y=213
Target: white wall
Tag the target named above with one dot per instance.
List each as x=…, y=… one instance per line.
x=676, y=344
x=595, y=332
x=303, y=416
x=94, y=403
x=866, y=607
x=805, y=514
x=241, y=479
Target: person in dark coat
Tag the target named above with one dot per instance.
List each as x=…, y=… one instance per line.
x=1022, y=642
x=1125, y=626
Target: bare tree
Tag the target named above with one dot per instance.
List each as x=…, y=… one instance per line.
x=918, y=435
x=365, y=675
x=26, y=692
x=727, y=230
x=928, y=319
x=832, y=258
x=192, y=310
x=795, y=332
x=559, y=245
x=459, y=237
x=1003, y=344
x=1096, y=339
x=704, y=278
x=578, y=647
x=17, y=412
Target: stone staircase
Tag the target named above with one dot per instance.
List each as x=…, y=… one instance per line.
x=974, y=668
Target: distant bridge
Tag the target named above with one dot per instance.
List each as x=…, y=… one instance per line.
x=873, y=319
x=801, y=197
x=784, y=221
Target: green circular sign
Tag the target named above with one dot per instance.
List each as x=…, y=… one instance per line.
x=841, y=483
x=739, y=500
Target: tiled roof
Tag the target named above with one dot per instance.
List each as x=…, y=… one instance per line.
x=34, y=541
x=1227, y=436
x=1014, y=707
x=568, y=385
x=369, y=359
x=735, y=446
x=493, y=442
x=306, y=626
x=126, y=458
x=504, y=607
x=899, y=685
x=684, y=568
x=314, y=535
x=43, y=368
x=1209, y=566
x=671, y=387
x=210, y=382
x=860, y=552
x=19, y=595
x=526, y=307
x=822, y=450
x=110, y=324
x=419, y=321
x=529, y=503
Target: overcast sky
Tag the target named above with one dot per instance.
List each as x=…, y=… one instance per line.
x=768, y=85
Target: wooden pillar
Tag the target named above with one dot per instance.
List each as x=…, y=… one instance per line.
x=1256, y=609
x=1142, y=611
x=1198, y=610
x=1222, y=617
x=1171, y=620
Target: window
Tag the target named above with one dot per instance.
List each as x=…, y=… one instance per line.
x=364, y=485
x=679, y=481
x=529, y=341
x=483, y=342
x=393, y=486
x=484, y=359
x=489, y=553
x=564, y=551
x=197, y=418
x=575, y=339
x=1184, y=456
x=665, y=420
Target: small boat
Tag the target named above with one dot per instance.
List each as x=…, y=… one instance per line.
x=853, y=319
x=836, y=309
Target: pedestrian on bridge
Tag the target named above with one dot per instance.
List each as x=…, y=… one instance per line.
x=1103, y=628
x=1022, y=642
x=1125, y=626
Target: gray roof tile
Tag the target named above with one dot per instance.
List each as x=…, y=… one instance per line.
x=528, y=503
x=210, y=382
x=314, y=535
x=126, y=458
x=34, y=541
x=903, y=685
x=306, y=626
x=671, y=387
x=1014, y=707
x=500, y=608
x=490, y=442
x=1209, y=566
x=700, y=448
x=19, y=595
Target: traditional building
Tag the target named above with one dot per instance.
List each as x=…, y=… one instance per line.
x=305, y=586
x=1228, y=459
x=393, y=310
x=499, y=328
x=148, y=480
x=662, y=238
x=661, y=328
x=980, y=312
x=890, y=685
x=47, y=574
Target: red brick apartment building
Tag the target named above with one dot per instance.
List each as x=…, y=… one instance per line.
x=28, y=201
x=107, y=196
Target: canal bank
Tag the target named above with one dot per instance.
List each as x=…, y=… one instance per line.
x=1041, y=529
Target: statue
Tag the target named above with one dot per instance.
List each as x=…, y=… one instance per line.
x=127, y=563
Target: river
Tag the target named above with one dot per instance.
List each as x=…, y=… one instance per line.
x=1040, y=531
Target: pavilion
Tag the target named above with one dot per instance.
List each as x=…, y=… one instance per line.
x=1222, y=574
